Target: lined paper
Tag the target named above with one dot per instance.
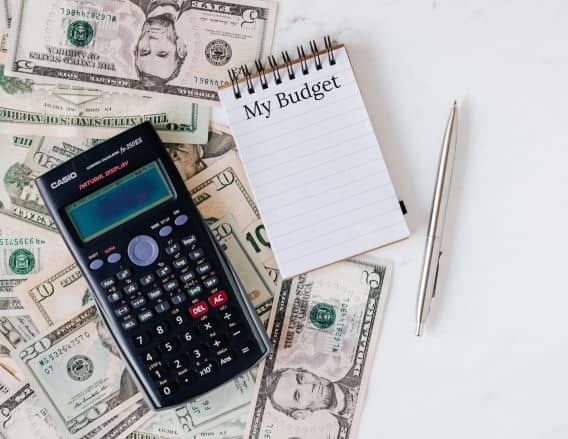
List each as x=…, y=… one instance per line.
x=315, y=166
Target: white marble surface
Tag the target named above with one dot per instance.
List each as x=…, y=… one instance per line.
x=494, y=359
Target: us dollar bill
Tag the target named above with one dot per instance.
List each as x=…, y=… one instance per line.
x=201, y=414
x=76, y=371
x=22, y=415
x=44, y=106
x=324, y=328
x=177, y=48
x=252, y=275
x=55, y=293
x=223, y=189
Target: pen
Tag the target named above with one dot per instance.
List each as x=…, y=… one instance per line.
x=433, y=250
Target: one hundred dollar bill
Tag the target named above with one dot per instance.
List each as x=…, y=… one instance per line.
x=77, y=373
x=201, y=414
x=223, y=189
x=179, y=48
x=43, y=106
x=324, y=328
x=55, y=293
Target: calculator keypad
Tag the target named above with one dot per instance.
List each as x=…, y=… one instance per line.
x=176, y=310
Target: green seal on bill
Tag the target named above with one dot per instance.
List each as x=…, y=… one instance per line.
x=322, y=315
x=80, y=368
x=22, y=261
x=80, y=33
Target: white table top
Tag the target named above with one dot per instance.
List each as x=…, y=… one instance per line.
x=493, y=360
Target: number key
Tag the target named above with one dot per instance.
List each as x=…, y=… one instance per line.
x=141, y=339
x=151, y=356
x=158, y=373
x=167, y=390
x=161, y=328
x=189, y=335
x=168, y=346
x=178, y=364
x=198, y=353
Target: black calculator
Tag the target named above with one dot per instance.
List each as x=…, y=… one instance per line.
x=169, y=296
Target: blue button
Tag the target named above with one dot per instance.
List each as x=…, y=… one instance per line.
x=165, y=231
x=143, y=250
x=113, y=258
x=181, y=220
x=96, y=264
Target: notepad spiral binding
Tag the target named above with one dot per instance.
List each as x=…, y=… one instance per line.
x=275, y=69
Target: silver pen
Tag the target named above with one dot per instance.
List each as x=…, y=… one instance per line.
x=433, y=250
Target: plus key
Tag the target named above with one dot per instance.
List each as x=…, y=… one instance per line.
x=199, y=309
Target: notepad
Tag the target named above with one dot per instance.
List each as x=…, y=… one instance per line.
x=313, y=161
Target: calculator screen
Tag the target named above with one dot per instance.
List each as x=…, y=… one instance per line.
x=119, y=202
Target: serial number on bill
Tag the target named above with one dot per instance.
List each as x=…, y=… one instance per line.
x=88, y=15
x=210, y=81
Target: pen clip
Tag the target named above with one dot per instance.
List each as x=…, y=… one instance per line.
x=436, y=278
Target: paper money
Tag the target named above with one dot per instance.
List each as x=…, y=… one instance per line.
x=8, y=382
x=43, y=106
x=223, y=189
x=22, y=416
x=54, y=294
x=126, y=423
x=76, y=370
x=324, y=328
x=203, y=413
x=250, y=272
x=191, y=159
x=179, y=48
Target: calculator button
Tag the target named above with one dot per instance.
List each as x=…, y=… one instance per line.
x=138, y=302
x=236, y=331
x=141, y=340
x=198, y=353
x=245, y=349
x=163, y=271
x=181, y=220
x=179, y=320
x=143, y=250
x=178, y=298
x=171, y=285
x=206, y=370
x=107, y=283
x=217, y=343
x=174, y=248
x=207, y=326
x=154, y=294
x=129, y=324
x=151, y=356
x=114, y=297
x=203, y=268
x=145, y=316
x=96, y=264
x=161, y=328
x=124, y=274
x=158, y=373
x=199, y=309
x=217, y=299
x=131, y=288
x=113, y=258
x=168, y=346
x=180, y=263
x=196, y=254
x=195, y=291
x=167, y=390
x=122, y=311
x=189, y=241
x=165, y=231
x=162, y=307
x=226, y=359
x=187, y=277
x=228, y=316
x=178, y=364
x=189, y=335
x=211, y=282
x=147, y=280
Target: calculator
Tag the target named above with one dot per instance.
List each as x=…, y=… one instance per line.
x=170, y=298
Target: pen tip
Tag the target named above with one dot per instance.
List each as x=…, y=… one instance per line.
x=418, y=329
x=455, y=103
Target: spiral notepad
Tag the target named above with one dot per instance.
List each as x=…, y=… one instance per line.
x=313, y=160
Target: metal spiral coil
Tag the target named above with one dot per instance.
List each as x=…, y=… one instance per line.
x=288, y=63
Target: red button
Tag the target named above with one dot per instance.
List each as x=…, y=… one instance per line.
x=199, y=309
x=218, y=298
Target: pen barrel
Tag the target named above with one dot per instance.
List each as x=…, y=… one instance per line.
x=427, y=286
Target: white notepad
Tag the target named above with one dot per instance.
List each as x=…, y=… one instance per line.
x=315, y=166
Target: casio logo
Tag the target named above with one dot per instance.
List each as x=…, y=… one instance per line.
x=63, y=180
